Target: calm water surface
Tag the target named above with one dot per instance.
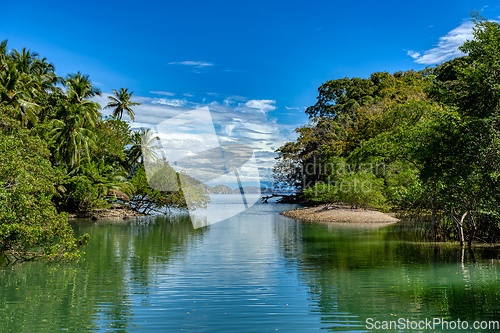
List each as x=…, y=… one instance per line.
x=255, y=272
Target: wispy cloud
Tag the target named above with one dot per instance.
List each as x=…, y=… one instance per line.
x=166, y=93
x=170, y=102
x=447, y=47
x=233, y=100
x=198, y=64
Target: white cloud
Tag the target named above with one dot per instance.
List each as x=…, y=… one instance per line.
x=291, y=108
x=413, y=54
x=187, y=95
x=166, y=93
x=170, y=102
x=192, y=63
x=447, y=47
x=263, y=105
x=240, y=122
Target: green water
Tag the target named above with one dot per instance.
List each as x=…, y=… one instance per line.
x=256, y=272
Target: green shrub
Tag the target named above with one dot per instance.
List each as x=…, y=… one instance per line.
x=355, y=189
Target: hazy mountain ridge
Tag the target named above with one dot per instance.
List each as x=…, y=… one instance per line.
x=224, y=189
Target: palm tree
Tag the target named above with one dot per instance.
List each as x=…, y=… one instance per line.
x=80, y=90
x=108, y=180
x=143, y=144
x=25, y=60
x=15, y=90
x=3, y=49
x=45, y=76
x=121, y=101
x=73, y=140
x=72, y=127
x=24, y=80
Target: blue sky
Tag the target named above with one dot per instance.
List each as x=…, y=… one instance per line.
x=258, y=62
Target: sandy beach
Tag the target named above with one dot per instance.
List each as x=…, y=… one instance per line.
x=341, y=215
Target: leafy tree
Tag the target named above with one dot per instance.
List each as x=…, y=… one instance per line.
x=30, y=225
x=112, y=136
x=343, y=97
x=86, y=170
x=462, y=155
x=436, y=131
x=147, y=198
x=348, y=113
x=355, y=189
x=93, y=185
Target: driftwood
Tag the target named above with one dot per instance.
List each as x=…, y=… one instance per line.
x=267, y=197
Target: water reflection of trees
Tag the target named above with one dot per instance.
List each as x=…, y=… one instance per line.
x=357, y=274
x=95, y=293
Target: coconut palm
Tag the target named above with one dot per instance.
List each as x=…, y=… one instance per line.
x=45, y=77
x=79, y=91
x=80, y=88
x=3, y=49
x=143, y=144
x=24, y=80
x=15, y=91
x=120, y=102
x=25, y=60
x=73, y=140
x=108, y=180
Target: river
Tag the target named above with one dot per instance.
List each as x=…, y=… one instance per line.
x=255, y=272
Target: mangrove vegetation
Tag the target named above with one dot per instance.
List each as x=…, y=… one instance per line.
x=425, y=143
x=59, y=155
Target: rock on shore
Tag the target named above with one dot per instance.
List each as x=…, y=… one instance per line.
x=340, y=214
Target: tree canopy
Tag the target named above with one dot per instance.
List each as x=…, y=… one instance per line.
x=429, y=140
x=59, y=155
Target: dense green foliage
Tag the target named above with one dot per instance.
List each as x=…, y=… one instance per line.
x=148, y=198
x=29, y=222
x=59, y=155
x=429, y=141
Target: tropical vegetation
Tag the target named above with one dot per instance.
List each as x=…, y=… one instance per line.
x=425, y=143
x=59, y=155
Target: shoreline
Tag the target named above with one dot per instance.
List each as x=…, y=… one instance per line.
x=116, y=211
x=342, y=215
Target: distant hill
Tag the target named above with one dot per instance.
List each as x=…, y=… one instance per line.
x=224, y=189
x=253, y=190
x=218, y=189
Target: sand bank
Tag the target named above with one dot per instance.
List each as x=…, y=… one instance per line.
x=341, y=215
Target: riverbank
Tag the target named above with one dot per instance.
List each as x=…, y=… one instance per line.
x=116, y=211
x=341, y=215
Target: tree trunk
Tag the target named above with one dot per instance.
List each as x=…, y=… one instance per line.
x=460, y=227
